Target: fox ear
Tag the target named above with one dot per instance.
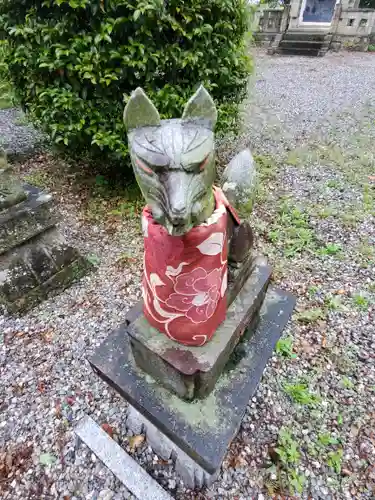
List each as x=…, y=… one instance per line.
x=140, y=112
x=201, y=106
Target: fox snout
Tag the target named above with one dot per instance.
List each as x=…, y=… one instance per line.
x=177, y=189
x=178, y=213
x=177, y=220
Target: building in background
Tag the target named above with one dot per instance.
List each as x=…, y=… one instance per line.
x=311, y=27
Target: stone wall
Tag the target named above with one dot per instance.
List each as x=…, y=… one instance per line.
x=353, y=28
x=272, y=22
x=269, y=25
x=356, y=22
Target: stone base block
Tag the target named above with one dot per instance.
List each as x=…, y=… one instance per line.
x=192, y=372
x=35, y=270
x=11, y=192
x=192, y=474
x=27, y=219
x=204, y=428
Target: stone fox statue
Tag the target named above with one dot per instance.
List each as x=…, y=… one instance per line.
x=188, y=224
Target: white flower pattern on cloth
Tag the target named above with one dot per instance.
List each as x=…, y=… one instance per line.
x=185, y=277
x=196, y=294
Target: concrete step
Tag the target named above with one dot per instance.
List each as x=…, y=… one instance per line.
x=300, y=44
x=298, y=35
x=298, y=51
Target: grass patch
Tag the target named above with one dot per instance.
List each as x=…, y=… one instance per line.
x=355, y=163
x=311, y=315
x=291, y=230
x=347, y=383
x=330, y=249
x=286, y=457
x=345, y=361
x=326, y=212
x=332, y=154
x=22, y=121
x=334, y=184
x=284, y=348
x=328, y=448
x=105, y=201
x=301, y=394
x=93, y=259
x=351, y=217
x=300, y=156
x=333, y=303
x=369, y=199
x=312, y=290
x=266, y=170
x=39, y=178
x=366, y=250
x=294, y=157
x=326, y=439
x=102, y=196
x=335, y=459
x=361, y=301
x=266, y=167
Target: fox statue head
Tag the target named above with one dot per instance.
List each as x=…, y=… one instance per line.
x=174, y=160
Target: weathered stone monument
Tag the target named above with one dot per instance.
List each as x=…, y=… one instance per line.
x=34, y=258
x=191, y=354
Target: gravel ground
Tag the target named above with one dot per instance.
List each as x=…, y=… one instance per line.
x=310, y=430
x=16, y=136
x=294, y=98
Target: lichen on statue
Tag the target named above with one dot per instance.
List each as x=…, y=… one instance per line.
x=185, y=220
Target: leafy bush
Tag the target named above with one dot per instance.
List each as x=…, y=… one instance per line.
x=5, y=90
x=74, y=63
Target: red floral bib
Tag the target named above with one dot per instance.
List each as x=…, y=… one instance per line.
x=185, y=277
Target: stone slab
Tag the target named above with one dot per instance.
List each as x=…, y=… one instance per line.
x=11, y=191
x=35, y=270
x=203, y=429
x=191, y=372
x=25, y=220
x=124, y=467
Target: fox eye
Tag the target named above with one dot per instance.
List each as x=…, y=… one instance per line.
x=194, y=167
x=204, y=163
x=143, y=166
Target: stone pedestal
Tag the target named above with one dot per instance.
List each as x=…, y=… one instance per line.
x=192, y=372
x=190, y=401
x=35, y=260
x=196, y=434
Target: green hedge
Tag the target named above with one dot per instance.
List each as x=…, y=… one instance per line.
x=74, y=63
x=6, y=100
